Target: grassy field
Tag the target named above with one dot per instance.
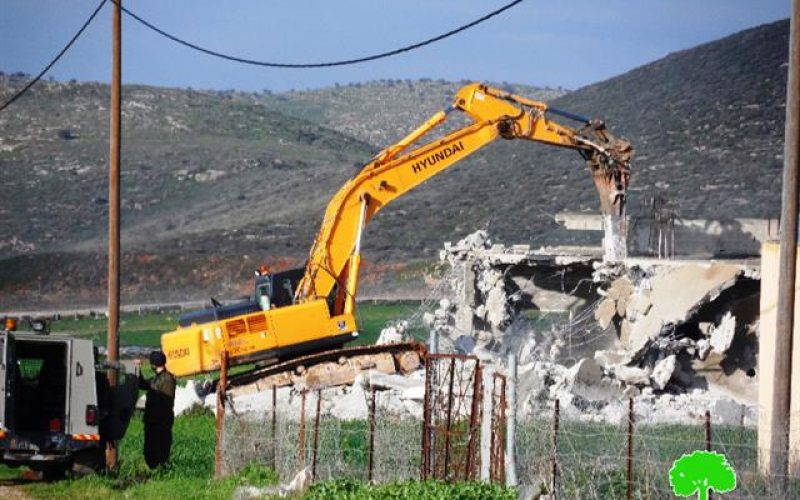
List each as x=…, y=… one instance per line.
x=190, y=475
x=146, y=329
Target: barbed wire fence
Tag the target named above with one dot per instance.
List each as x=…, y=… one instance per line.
x=575, y=459
x=380, y=448
x=566, y=458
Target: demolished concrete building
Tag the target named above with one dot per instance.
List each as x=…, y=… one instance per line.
x=678, y=335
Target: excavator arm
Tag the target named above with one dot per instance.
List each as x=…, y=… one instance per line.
x=307, y=324
x=335, y=255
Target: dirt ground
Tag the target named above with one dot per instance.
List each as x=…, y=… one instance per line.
x=9, y=491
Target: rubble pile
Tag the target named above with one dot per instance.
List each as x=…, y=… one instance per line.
x=680, y=337
x=677, y=320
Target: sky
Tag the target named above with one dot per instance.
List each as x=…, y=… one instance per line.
x=565, y=43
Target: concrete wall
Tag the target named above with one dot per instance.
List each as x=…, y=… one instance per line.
x=708, y=238
x=767, y=347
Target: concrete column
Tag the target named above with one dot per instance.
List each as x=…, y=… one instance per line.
x=433, y=341
x=776, y=436
x=615, y=238
x=464, y=310
x=486, y=424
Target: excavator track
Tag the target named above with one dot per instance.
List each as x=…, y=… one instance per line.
x=345, y=361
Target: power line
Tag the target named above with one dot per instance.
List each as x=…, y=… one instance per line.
x=323, y=64
x=229, y=57
x=55, y=60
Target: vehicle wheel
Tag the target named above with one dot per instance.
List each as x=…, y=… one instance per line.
x=88, y=462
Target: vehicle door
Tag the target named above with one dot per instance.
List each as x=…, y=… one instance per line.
x=84, y=421
x=8, y=370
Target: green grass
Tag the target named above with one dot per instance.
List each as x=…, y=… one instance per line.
x=134, y=329
x=372, y=318
x=189, y=476
x=408, y=490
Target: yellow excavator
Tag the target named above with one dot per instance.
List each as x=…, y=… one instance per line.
x=301, y=312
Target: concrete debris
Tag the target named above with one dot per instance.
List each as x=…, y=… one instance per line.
x=301, y=482
x=393, y=334
x=632, y=375
x=605, y=312
x=662, y=373
x=609, y=359
x=186, y=398
x=676, y=293
x=644, y=328
x=722, y=334
x=408, y=362
x=585, y=371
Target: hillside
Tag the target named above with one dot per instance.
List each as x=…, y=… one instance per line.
x=216, y=181
x=381, y=112
x=708, y=123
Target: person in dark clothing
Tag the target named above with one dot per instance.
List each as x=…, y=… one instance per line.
x=158, y=411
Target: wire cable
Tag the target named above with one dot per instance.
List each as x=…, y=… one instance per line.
x=55, y=60
x=322, y=64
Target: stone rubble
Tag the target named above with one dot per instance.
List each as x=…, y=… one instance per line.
x=664, y=322
x=295, y=488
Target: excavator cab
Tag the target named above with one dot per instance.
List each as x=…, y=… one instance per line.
x=263, y=291
x=276, y=290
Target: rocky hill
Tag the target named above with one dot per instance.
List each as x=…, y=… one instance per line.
x=216, y=181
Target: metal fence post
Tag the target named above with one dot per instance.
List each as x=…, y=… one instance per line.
x=449, y=422
x=302, y=450
x=554, y=449
x=486, y=424
x=220, y=421
x=274, y=428
x=426, y=423
x=371, y=450
x=475, y=409
x=511, y=422
x=316, y=436
x=631, y=417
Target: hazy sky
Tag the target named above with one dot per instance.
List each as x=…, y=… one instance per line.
x=567, y=43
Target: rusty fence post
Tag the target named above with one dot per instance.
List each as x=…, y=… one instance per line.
x=497, y=471
x=371, y=449
x=274, y=428
x=631, y=417
x=316, y=436
x=302, y=445
x=554, y=449
x=220, y=421
x=474, y=417
x=426, y=423
x=501, y=450
x=449, y=423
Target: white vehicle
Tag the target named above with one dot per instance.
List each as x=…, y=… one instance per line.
x=56, y=409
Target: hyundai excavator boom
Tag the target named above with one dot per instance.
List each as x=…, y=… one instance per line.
x=305, y=311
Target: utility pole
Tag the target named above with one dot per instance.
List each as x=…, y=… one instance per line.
x=786, y=326
x=113, y=215
x=778, y=429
